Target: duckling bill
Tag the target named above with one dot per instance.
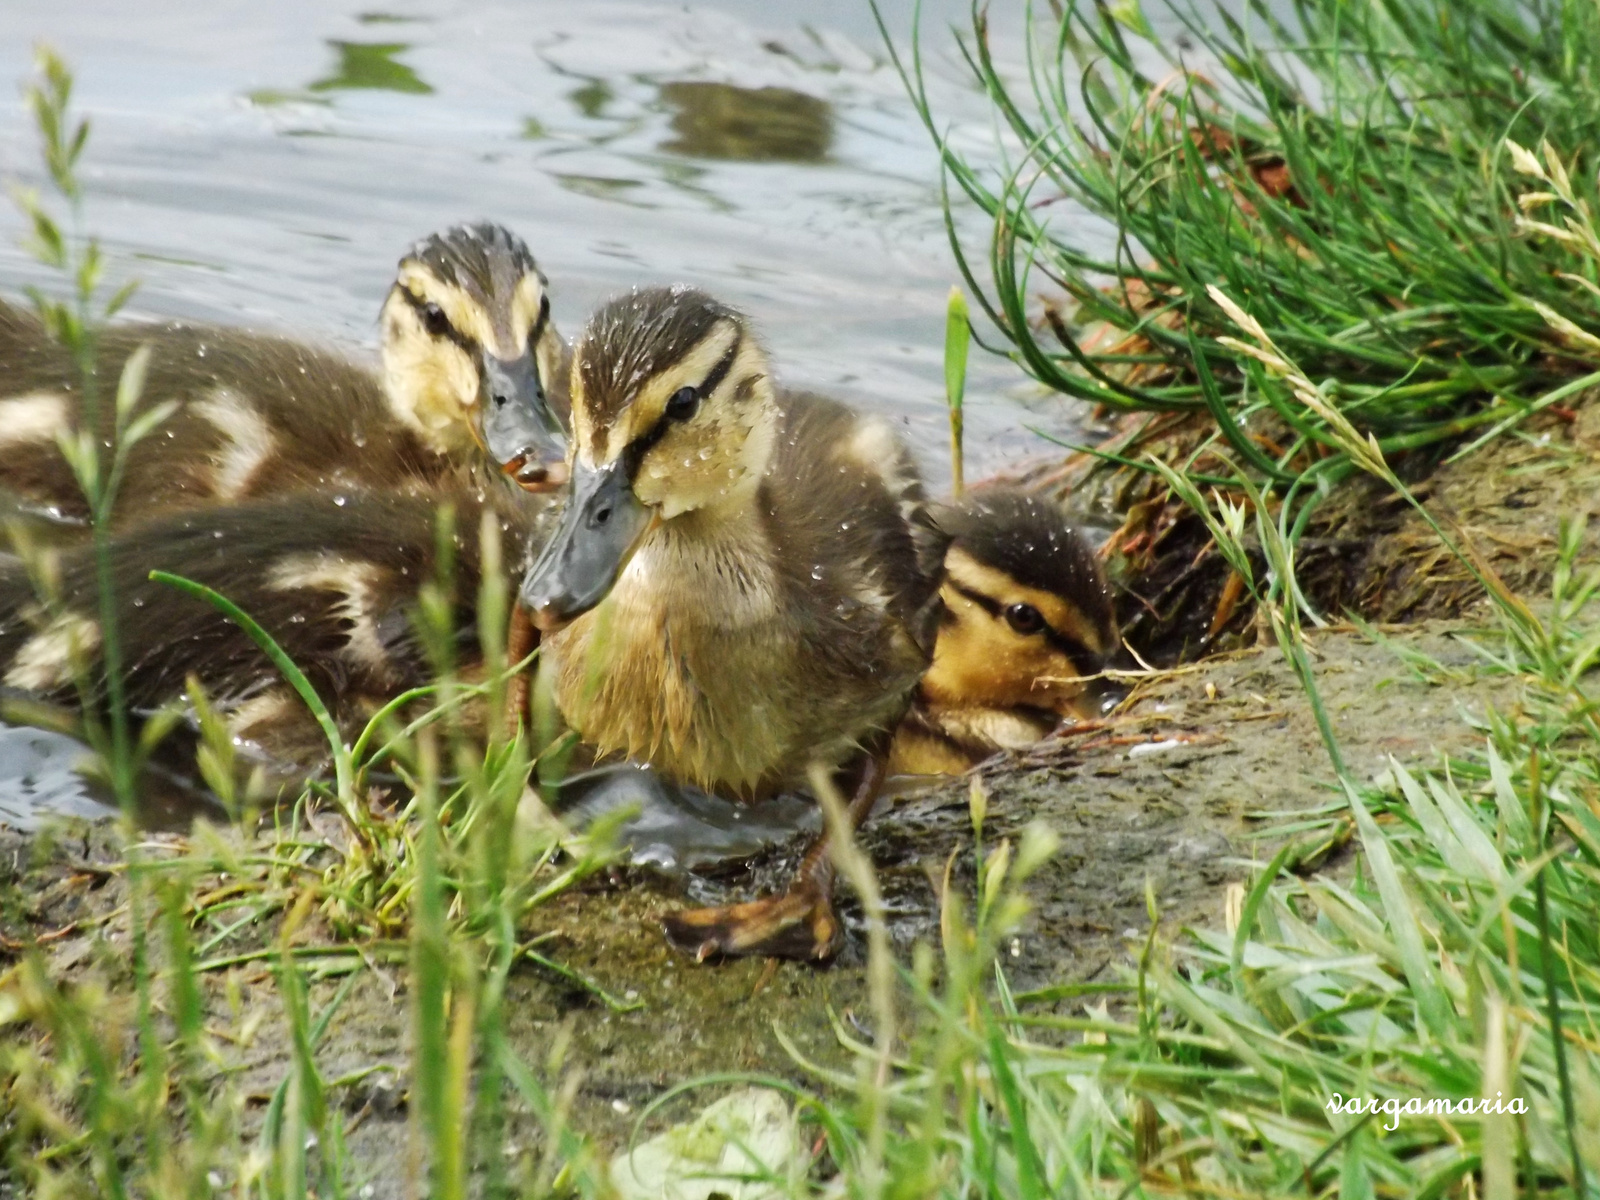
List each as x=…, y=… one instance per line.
x=743, y=588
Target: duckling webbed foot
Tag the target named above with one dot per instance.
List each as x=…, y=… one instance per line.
x=800, y=924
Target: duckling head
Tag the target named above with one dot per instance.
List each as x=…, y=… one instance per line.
x=1027, y=611
x=468, y=348
x=674, y=419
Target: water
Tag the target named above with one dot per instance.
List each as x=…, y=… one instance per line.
x=266, y=164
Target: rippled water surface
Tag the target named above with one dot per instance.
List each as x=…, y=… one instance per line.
x=265, y=164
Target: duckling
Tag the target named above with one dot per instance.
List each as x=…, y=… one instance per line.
x=743, y=589
x=333, y=578
x=467, y=347
x=1028, y=621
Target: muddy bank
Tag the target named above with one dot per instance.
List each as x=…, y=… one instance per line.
x=1177, y=792
x=1364, y=549
x=1180, y=791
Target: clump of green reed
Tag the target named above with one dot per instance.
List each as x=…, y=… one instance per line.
x=98, y=449
x=1339, y=169
x=124, y=1087
x=957, y=341
x=90, y=1034
x=1430, y=1028
x=1311, y=1046
x=134, y=1098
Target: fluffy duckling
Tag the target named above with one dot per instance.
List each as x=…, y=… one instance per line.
x=334, y=579
x=743, y=589
x=467, y=349
x=1028, y=619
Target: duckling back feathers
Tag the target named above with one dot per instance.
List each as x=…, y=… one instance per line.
x=259, y=414
x=334, y=580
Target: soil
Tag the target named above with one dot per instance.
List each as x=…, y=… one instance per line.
x=1364, y=549
x=1177, y=793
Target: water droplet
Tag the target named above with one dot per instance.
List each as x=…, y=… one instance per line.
x=340, y=501
x=816, y=571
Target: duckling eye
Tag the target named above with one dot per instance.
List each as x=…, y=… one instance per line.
x=1024, y=618
x=682, y=404
x=434, y=320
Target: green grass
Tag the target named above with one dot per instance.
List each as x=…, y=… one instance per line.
x=1345, y=176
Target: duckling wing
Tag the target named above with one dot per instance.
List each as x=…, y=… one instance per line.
x=850, y=519
x=255, y=415
x=20, y=332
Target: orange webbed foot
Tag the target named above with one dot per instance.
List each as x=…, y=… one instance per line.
x=800, y=925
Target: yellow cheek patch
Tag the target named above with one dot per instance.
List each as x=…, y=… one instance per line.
x=431, y=383
x=1062, y=615
x=980, y=662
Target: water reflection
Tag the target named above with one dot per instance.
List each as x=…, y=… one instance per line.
x=769, y=124
x=591, y=99
x=372, y=65
x=39, y=774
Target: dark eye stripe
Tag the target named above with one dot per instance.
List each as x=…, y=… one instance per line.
x=720, y=372
x=635, y=453
x=451, y=333
x=540, y=321
x=1084, y=660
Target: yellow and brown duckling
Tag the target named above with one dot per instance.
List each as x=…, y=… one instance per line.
x=1028, y=623
x=334, y=579
x=468, y=348
x=743, y=590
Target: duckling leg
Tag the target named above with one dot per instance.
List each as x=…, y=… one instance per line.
x=799, y=924
x=521, y=638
